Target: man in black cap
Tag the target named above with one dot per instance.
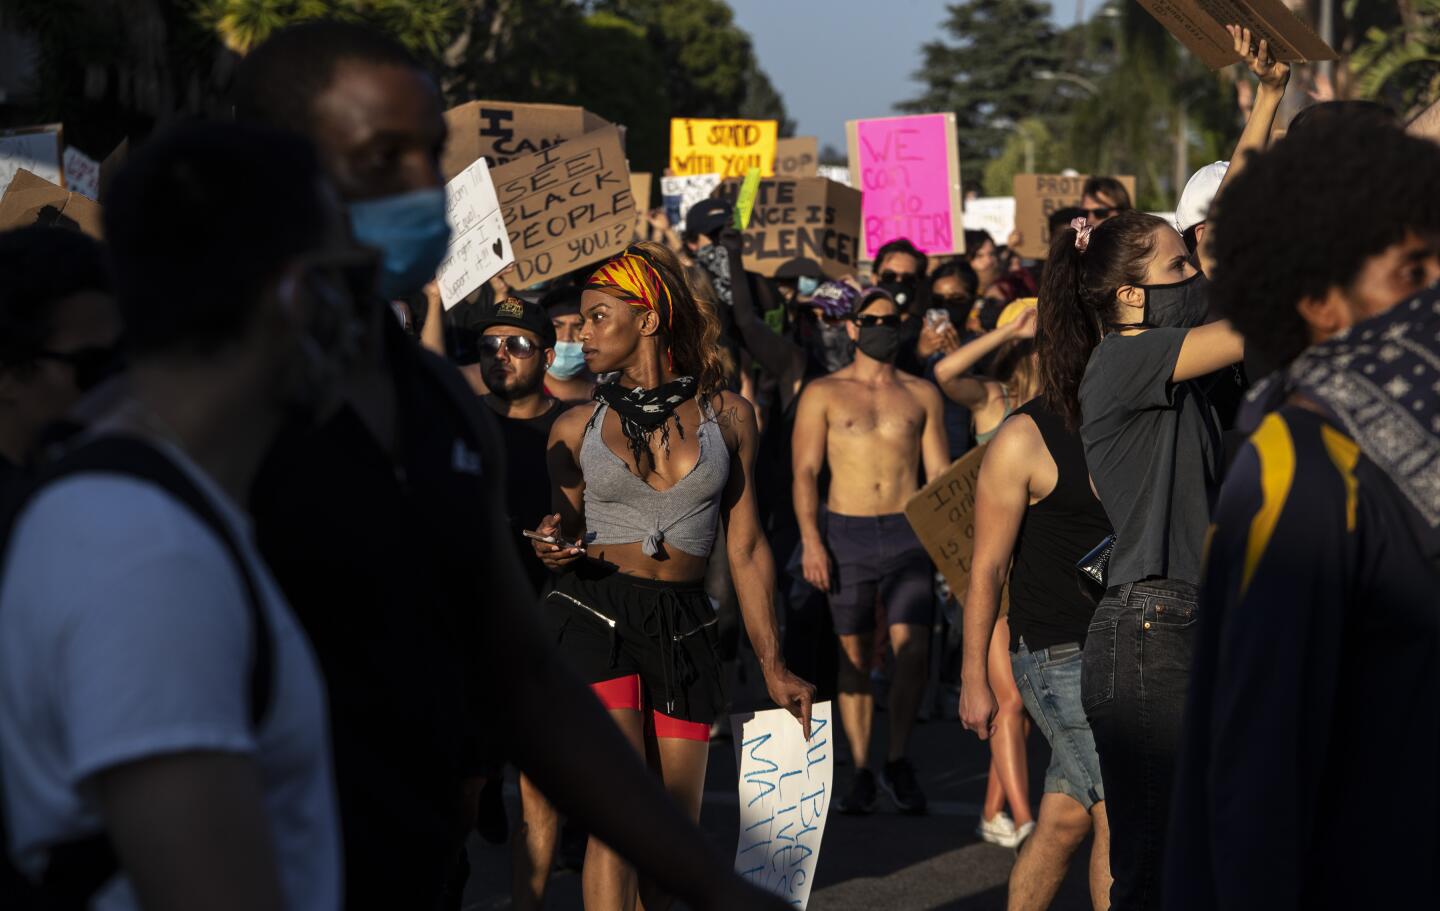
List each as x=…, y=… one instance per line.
x=517, y=345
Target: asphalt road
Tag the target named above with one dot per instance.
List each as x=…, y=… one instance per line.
x=880, y=861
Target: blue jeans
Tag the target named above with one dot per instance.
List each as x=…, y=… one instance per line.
x=1049, y=682
x=1135, y=671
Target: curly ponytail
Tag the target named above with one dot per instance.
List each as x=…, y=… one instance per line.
x=1077, y=300
x=694, y=336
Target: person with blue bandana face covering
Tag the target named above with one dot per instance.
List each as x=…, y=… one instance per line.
x=385, y=527
x=567, y=379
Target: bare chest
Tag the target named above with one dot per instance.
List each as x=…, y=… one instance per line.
x=888, y=413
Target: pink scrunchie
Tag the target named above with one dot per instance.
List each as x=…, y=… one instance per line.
x=1082, y=233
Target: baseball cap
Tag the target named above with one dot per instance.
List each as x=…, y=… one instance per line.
x=1013, y=310
x=834, y=299
x=1199, y=192
x=512, y=311
x=874, y=292
x=708, y=216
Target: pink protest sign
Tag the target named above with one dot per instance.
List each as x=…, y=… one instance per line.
x=908, y=169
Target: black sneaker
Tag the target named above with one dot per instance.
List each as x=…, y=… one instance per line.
x=899, y=782
x=861, y=799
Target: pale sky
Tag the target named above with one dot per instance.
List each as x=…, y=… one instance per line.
x=838, y=60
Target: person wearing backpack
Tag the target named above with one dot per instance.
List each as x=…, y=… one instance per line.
x=162, y=717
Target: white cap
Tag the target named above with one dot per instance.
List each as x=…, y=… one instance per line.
x=1194, y=205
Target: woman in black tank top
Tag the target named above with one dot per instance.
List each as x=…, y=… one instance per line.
x=1035, y=517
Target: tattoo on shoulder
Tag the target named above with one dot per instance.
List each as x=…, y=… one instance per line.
x=729, y=417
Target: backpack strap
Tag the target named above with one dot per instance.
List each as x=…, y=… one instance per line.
x=76, y=870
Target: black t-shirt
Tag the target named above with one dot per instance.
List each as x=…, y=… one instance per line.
x=527, y=481
x=1046, y=605
x=379, y=560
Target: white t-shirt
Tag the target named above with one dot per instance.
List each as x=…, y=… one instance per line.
x=125, y=632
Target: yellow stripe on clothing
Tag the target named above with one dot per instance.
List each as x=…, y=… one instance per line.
x=1345, y=453
x=1276, y=451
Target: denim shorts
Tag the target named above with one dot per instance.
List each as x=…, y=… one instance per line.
x=1049, y=682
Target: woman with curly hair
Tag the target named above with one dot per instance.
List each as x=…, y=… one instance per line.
x=640, y=484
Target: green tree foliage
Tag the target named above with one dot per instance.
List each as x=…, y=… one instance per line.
x=112, y=68
x=986, y=72
x=709, y=61
x=1397, y=60
x=1030, y=148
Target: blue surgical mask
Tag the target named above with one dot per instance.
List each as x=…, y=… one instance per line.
x=805, y=285
x=410, y=231
x=569, y=360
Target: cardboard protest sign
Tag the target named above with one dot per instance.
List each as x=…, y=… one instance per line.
x=1200, y=26
x=725, y=147
x=909, y=170
x=640, y=182
x=479, y=244
x=33, y=200
x=943, y=517
x=785, y=787
x=808, y=218
x=1038, y=196
x=36, y=149
x=797, y=156
x=503, y=131
x=82, y=173
x=838, y=173
x=681, y=193
x=567, y=207
x=993, y=214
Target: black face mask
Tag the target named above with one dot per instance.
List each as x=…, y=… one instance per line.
x=1178, y=305
x=880, y=342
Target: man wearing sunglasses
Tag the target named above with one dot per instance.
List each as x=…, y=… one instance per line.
x=517, y=345
x=58, y=331
x=1102, y=197
x=872, y=425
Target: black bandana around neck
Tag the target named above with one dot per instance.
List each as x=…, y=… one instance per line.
x=643, y=412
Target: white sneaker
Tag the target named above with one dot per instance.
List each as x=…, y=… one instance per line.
x=1023, y=833
x=999, y=830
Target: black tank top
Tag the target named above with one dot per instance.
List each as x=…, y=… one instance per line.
x=1046, y=604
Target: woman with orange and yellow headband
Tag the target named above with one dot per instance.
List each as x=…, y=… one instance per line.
x=639, y=485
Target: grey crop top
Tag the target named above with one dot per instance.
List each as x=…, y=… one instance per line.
x=621, y=508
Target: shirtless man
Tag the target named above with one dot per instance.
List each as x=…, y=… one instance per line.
x=872, y=424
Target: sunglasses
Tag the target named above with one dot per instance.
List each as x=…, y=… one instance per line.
x=871, y=319
x=92, y=366
x=1099, y=213
x=515, y=345
x=891, y=277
